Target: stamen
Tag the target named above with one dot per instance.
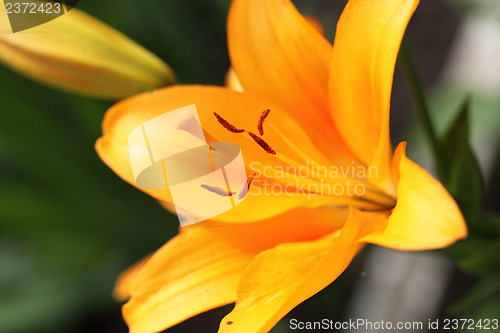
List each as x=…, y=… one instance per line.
x=263, y=117
x=227, y=125
x=217, y=190
x=262, y=143
x=246, y=188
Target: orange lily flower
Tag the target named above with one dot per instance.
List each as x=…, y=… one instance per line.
x=329, y=107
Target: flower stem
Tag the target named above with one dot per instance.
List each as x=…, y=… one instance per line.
x=415, y=86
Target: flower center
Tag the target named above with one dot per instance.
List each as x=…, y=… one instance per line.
x=342, y=185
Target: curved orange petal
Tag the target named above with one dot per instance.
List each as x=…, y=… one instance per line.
x=366, y=46
x=199, y=269
x=425, y=217
x=125, y=281
x=281, y=278
x=242, y=110
x=277, y=53
x=231, y=80
x=316, y=24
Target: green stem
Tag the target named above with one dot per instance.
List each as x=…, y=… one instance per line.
x=415, y=86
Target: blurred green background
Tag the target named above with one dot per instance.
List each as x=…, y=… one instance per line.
x=69, y=226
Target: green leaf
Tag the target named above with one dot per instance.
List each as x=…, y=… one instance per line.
x=463, y=177
x=483, y=260
x=483, y=290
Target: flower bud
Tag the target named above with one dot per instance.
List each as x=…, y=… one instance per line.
x=78, y=53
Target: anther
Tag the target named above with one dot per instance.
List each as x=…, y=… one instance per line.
x=227, y=125
x=262, y=143
x=218, y=190
x=263, y=117
x=246, y=188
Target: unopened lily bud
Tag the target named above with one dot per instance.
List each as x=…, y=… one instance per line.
x=78, y=53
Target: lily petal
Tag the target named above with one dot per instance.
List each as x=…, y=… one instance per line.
x=316, y=24
x=281, y=278
x=124, y=283
x=232, y=81
x=199, y=269
x=278, y=54
x=78, y=53
x=366, y=46
x=425, y=217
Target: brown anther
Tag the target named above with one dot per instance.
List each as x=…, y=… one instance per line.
x=227, y=125
x=217, y=190
x=246, y=188
x=262, y=143
x=263, y=117
x=229, y=322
